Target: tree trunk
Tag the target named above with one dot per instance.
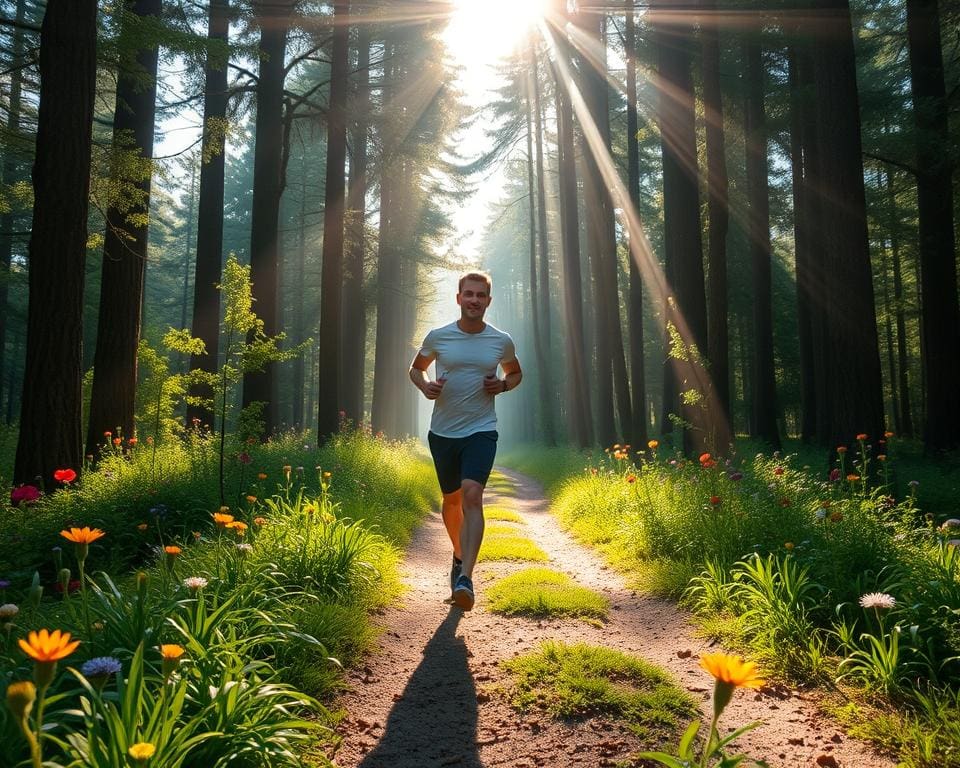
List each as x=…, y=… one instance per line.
x=801, y=114
x=849, y=398
x=686, y=310
x=187, y=251
x=124, y=256
x=758, y=229
x=206, y=296
x=938, y=259
x=273, y=18
x=888, y=312
x=50, y=435
x=11, y=173
x=328, y=396
x=579, y=395
x=545, y=406
x=550, y=404
x=298, y=296
x=719, y=214
x=354, y=306
x=903, y=361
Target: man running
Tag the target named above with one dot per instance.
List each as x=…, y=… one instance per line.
x=463, y=429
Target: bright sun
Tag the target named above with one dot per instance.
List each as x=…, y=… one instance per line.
x=482, y=31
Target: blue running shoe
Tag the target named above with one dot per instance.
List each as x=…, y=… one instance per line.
x=463, y=593
x=455, y=570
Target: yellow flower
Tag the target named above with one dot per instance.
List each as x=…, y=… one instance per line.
x=653, y=444
x=224, y=510
x=172, y=651
x=287, y=468
x=142, y=750
x=82, y=535
x=44, y=646
x=730, y=672
x=221, y=519
x=326, y=475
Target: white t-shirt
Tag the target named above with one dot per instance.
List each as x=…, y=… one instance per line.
x=464, y=359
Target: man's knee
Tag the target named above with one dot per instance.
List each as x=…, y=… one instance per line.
x=452, y=500
x=472, y=494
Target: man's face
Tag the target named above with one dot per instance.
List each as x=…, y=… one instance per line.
x=474, y=298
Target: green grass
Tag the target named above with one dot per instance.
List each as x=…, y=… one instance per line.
x=542, y=592
x=577, y=681
x=502, y=514
x=501, y=529
x=510, y=547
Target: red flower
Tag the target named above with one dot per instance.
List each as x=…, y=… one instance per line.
x=862, y=436
x=834, y=475
x=73, y=586
x=778, y=471
x=784, y=502
x=132, y=441
x=117, y=441
x=66, y=476
x=704, y=458
x=714, y=500
x=24, y=494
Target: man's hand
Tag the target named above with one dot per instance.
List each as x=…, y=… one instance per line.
x=432, y=389
x=492, y=385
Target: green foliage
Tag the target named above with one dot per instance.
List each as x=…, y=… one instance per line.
x=507, y=546
x=582, y=681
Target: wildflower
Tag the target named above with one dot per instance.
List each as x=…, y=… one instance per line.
x=261, y=476
x=65, y=476
x=821, y=513
x=950, y=523
x=842, y=449
x=836, y=517
x=82, y=535
x=778, y=471
x=108, y=434
x=222, y=520
x=914, y=484
x=100, y=669
x=784, y=502
x=224, y=510
x=171, y=653
x=878, y=600
x=862, y=436
x=788, y=545
x=244, y=458
x=149, y=440
x=117, y=441
x=8, y=611
x=196, y=535
x=631, y=478
x=244, y=549
x=251, y=499
x=834, y=475
x=238, y=527
x=195, y=583
x=653, y=444
x=132, y=442
x=729, y=672
x=287, y=469
x=882, y=457
x=736, y=476
x=172, y=549
x=714, y=500
x=141, y=751
x=327, y=475
x=888, y=434
x=142, y=527
x=46, y=649
x=24, y=494
x=20, y=698
x=852, y=478
x=259, y=521
x=4, y=583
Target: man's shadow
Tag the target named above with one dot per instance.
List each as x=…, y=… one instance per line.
x=434, y=722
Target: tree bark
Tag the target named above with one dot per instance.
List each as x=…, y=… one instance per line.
x=718, y=341
x=50, y=435
x=354, y=305
x=758, y=228
x=906, y=427
x=209, y=266
x=273, y=18
x=328, y=396
x=938, y=258
x=124, y=256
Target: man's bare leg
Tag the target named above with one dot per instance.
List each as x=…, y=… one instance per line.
x=471, y=533
x=452, y=512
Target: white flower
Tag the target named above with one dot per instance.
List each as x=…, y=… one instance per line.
x=195, y=582
x=244, y=549
x=8, y=611
x=821, y=513
x=953, y=542
x=878, y=600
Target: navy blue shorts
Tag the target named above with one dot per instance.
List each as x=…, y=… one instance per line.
x=463, y=458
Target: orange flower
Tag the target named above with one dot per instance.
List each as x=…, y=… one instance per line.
x=221, y=519
x=841, y=449
x=704, y=458
x=251, y=499
x=45, y=646
x=882, y=457
x=259, y=521
x=653, y=444
x=172, y=550
x=238, y=526
x=836, y=517
x=631, y=478
x=117, y=441
x=172, y=651
x=788, y=545
x=132, y=442
x=862, y=436
x=853, y=478
x=714, y=500
x=261, y=476
x=888, y=434
x=142, y=527
x=82, y=535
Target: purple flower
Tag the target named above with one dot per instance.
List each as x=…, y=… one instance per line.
x=4, y=583
x=101, y=666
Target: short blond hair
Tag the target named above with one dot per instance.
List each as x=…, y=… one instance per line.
x=479, y=276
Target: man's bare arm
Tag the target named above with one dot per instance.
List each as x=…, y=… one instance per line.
x=418, y=375
x=511, y=379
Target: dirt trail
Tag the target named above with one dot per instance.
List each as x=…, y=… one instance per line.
x=431, y=696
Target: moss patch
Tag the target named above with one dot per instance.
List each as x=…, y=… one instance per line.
x=544, y=592
x=510, y=547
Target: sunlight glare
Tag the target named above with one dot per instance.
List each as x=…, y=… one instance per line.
x=481, y=32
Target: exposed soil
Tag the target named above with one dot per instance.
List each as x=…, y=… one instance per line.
x=433, y=694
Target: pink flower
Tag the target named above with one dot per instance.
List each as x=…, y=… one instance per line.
x=24, y=494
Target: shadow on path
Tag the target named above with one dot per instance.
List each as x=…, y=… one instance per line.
x=434, y=722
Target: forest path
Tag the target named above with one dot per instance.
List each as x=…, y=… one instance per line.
x=431, y=696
